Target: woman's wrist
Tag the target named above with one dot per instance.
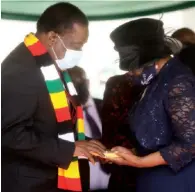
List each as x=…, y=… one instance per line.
x=137, y=162
x=141, y=162
x=151, y=160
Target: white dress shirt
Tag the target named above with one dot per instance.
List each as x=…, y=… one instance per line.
x=98, y=178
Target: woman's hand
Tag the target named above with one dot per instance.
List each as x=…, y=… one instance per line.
x=126, y=157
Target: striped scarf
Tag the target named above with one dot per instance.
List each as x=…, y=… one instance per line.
x=68, y=179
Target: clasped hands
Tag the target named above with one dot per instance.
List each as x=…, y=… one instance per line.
x=94, y=149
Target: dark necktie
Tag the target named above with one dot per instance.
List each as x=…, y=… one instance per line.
x=96, y=134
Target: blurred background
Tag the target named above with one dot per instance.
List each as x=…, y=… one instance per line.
x=99, y=58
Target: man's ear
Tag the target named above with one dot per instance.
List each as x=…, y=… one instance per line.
x=52, y=38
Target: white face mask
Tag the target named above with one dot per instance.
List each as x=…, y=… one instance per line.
x=71, y=58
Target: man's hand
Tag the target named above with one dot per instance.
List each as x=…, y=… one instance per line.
x=89, y=149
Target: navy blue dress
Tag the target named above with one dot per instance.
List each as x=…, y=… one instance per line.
x=164, y=120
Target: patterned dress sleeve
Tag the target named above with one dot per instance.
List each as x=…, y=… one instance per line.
x=181, y=110
x=109, y=127
x=115, y=108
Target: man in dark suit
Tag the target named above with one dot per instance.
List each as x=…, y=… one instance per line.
x=98, y=104
x=93, y=126
x=32, y=145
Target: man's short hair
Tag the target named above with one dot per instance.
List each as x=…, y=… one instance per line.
x=185, y=35
x=77, y=74
x=60, y=17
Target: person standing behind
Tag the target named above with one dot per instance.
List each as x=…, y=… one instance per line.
x=42, y=125
x=185, y=35
x=119, y=97
x=93, y=126
x=187, y=38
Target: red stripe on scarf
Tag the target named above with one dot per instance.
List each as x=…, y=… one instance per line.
x=62, y=114
x=37, y=49
x=69, y=184
x=79, y=112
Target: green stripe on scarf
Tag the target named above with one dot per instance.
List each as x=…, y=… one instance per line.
x=54, y=86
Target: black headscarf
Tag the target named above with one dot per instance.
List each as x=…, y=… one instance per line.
x=139, y=42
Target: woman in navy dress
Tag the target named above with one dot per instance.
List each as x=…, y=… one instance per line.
x=163, y=120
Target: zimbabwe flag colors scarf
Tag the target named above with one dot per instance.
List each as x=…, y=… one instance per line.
x=67, y=179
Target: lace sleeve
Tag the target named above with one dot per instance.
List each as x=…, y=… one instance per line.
x=181, y=109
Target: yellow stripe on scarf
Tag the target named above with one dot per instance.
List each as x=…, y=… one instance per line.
x=30, y=40
x=80, y=125
x=59, y=100
x=72, y=172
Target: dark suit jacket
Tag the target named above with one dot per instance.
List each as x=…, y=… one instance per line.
x=187, y=56
x=31, y=150
x=98, y=104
